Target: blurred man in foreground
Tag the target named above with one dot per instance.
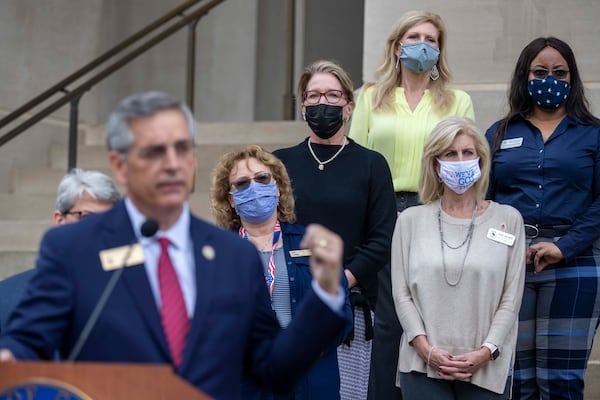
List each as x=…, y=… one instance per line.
x=191, y=294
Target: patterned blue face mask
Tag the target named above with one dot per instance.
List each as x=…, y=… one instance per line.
x=549, y=93
x=257, y=202
x=419, y=57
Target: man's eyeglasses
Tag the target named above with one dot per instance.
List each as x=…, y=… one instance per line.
x=314, y=96
x=159, y=152
x=79, y=214
x=244, y=183
x=542, y=73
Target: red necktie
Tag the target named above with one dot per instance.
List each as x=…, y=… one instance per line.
x=173, y=313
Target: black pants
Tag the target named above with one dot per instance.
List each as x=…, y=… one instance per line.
x=387, y=329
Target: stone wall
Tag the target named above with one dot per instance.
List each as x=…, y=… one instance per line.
x=485, y=38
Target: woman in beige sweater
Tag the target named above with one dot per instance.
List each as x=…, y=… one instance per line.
x=458, y=265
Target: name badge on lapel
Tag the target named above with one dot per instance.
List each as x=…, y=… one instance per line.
x=501, y=237
x=300, y=253
x=112, y=259
x=510, y=143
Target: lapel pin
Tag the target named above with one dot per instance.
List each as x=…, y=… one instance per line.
x=208, y=252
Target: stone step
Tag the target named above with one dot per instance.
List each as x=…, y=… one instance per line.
x=592, y=379
x=96, y=156
x=44, y=181
x=261, y=132
x=13, y=262
x=23, y=234
x=23, y=206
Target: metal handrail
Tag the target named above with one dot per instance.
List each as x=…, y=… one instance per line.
x=73, y=96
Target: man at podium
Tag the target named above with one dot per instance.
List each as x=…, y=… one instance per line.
x=148, y=282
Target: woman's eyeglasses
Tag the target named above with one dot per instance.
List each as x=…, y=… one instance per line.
x=542, y=73
x=244, y=183
x=314, y=96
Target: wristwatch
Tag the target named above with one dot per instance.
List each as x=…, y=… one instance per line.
x=494, y=352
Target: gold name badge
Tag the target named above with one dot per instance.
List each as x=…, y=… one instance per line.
x=300, y=253
x=112, y=259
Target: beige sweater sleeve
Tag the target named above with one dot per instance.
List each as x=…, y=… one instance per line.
x=407, y=311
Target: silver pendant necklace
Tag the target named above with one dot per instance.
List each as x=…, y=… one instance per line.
x=322, y=163
x=467, y=241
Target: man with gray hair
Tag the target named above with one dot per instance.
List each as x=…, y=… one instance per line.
x=192, y=295
x=80, y=194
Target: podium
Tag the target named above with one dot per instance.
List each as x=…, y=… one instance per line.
x=94, y=381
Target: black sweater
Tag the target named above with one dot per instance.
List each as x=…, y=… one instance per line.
x=353, y=196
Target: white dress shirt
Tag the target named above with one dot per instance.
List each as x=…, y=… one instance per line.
x=181, y=251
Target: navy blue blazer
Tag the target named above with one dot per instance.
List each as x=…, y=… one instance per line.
x=323, y=380
x=11, y=291
x=234, y=329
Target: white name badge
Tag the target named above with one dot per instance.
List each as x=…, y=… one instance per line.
x=300, y=253
x=510, y=143
x=501, y=237
x=112, y=259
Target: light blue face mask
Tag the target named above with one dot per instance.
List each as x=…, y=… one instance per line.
x=257, y=202
x=419, y=57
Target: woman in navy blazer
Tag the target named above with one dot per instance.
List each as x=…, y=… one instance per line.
x=251, y=194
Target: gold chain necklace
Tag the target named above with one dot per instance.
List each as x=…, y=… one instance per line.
x=322, y=163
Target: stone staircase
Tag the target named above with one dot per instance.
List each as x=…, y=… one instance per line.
x=28, y=204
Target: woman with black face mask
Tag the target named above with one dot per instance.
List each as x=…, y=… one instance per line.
x=348, y=189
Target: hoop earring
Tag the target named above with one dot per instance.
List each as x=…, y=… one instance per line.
x=397, y=62
x=435, y=74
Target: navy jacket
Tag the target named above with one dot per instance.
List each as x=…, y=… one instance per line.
x=233, y=329
x=323, y=380
x=11, y=291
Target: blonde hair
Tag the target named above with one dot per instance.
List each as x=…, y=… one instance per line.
x=326, y=67
x=442, y=136
x=388, y=77
x=225, y=215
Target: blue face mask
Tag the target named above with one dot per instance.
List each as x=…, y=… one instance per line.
x=419, y=57
x=549, y=93
x=257, y=202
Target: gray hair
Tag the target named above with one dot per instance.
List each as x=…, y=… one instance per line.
x=137, y=106
x=74, y=184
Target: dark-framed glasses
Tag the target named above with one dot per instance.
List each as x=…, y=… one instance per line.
x=244, y=183
x=79, y=214
x=542, y=73
x=314, y=96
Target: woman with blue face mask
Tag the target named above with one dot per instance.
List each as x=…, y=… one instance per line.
x=546, y=163
x=458, y=265
x=252, y=195
x=395, y=115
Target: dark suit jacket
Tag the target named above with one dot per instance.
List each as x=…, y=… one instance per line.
x=233, y=327
x=11, y=291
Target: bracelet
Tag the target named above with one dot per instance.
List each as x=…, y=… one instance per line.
x=429, y=355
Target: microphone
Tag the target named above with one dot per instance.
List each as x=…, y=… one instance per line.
x=148, y=229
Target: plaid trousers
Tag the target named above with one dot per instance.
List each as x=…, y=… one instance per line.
x=557, y=322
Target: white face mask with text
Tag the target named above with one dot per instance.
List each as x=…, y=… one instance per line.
x=459, y=176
